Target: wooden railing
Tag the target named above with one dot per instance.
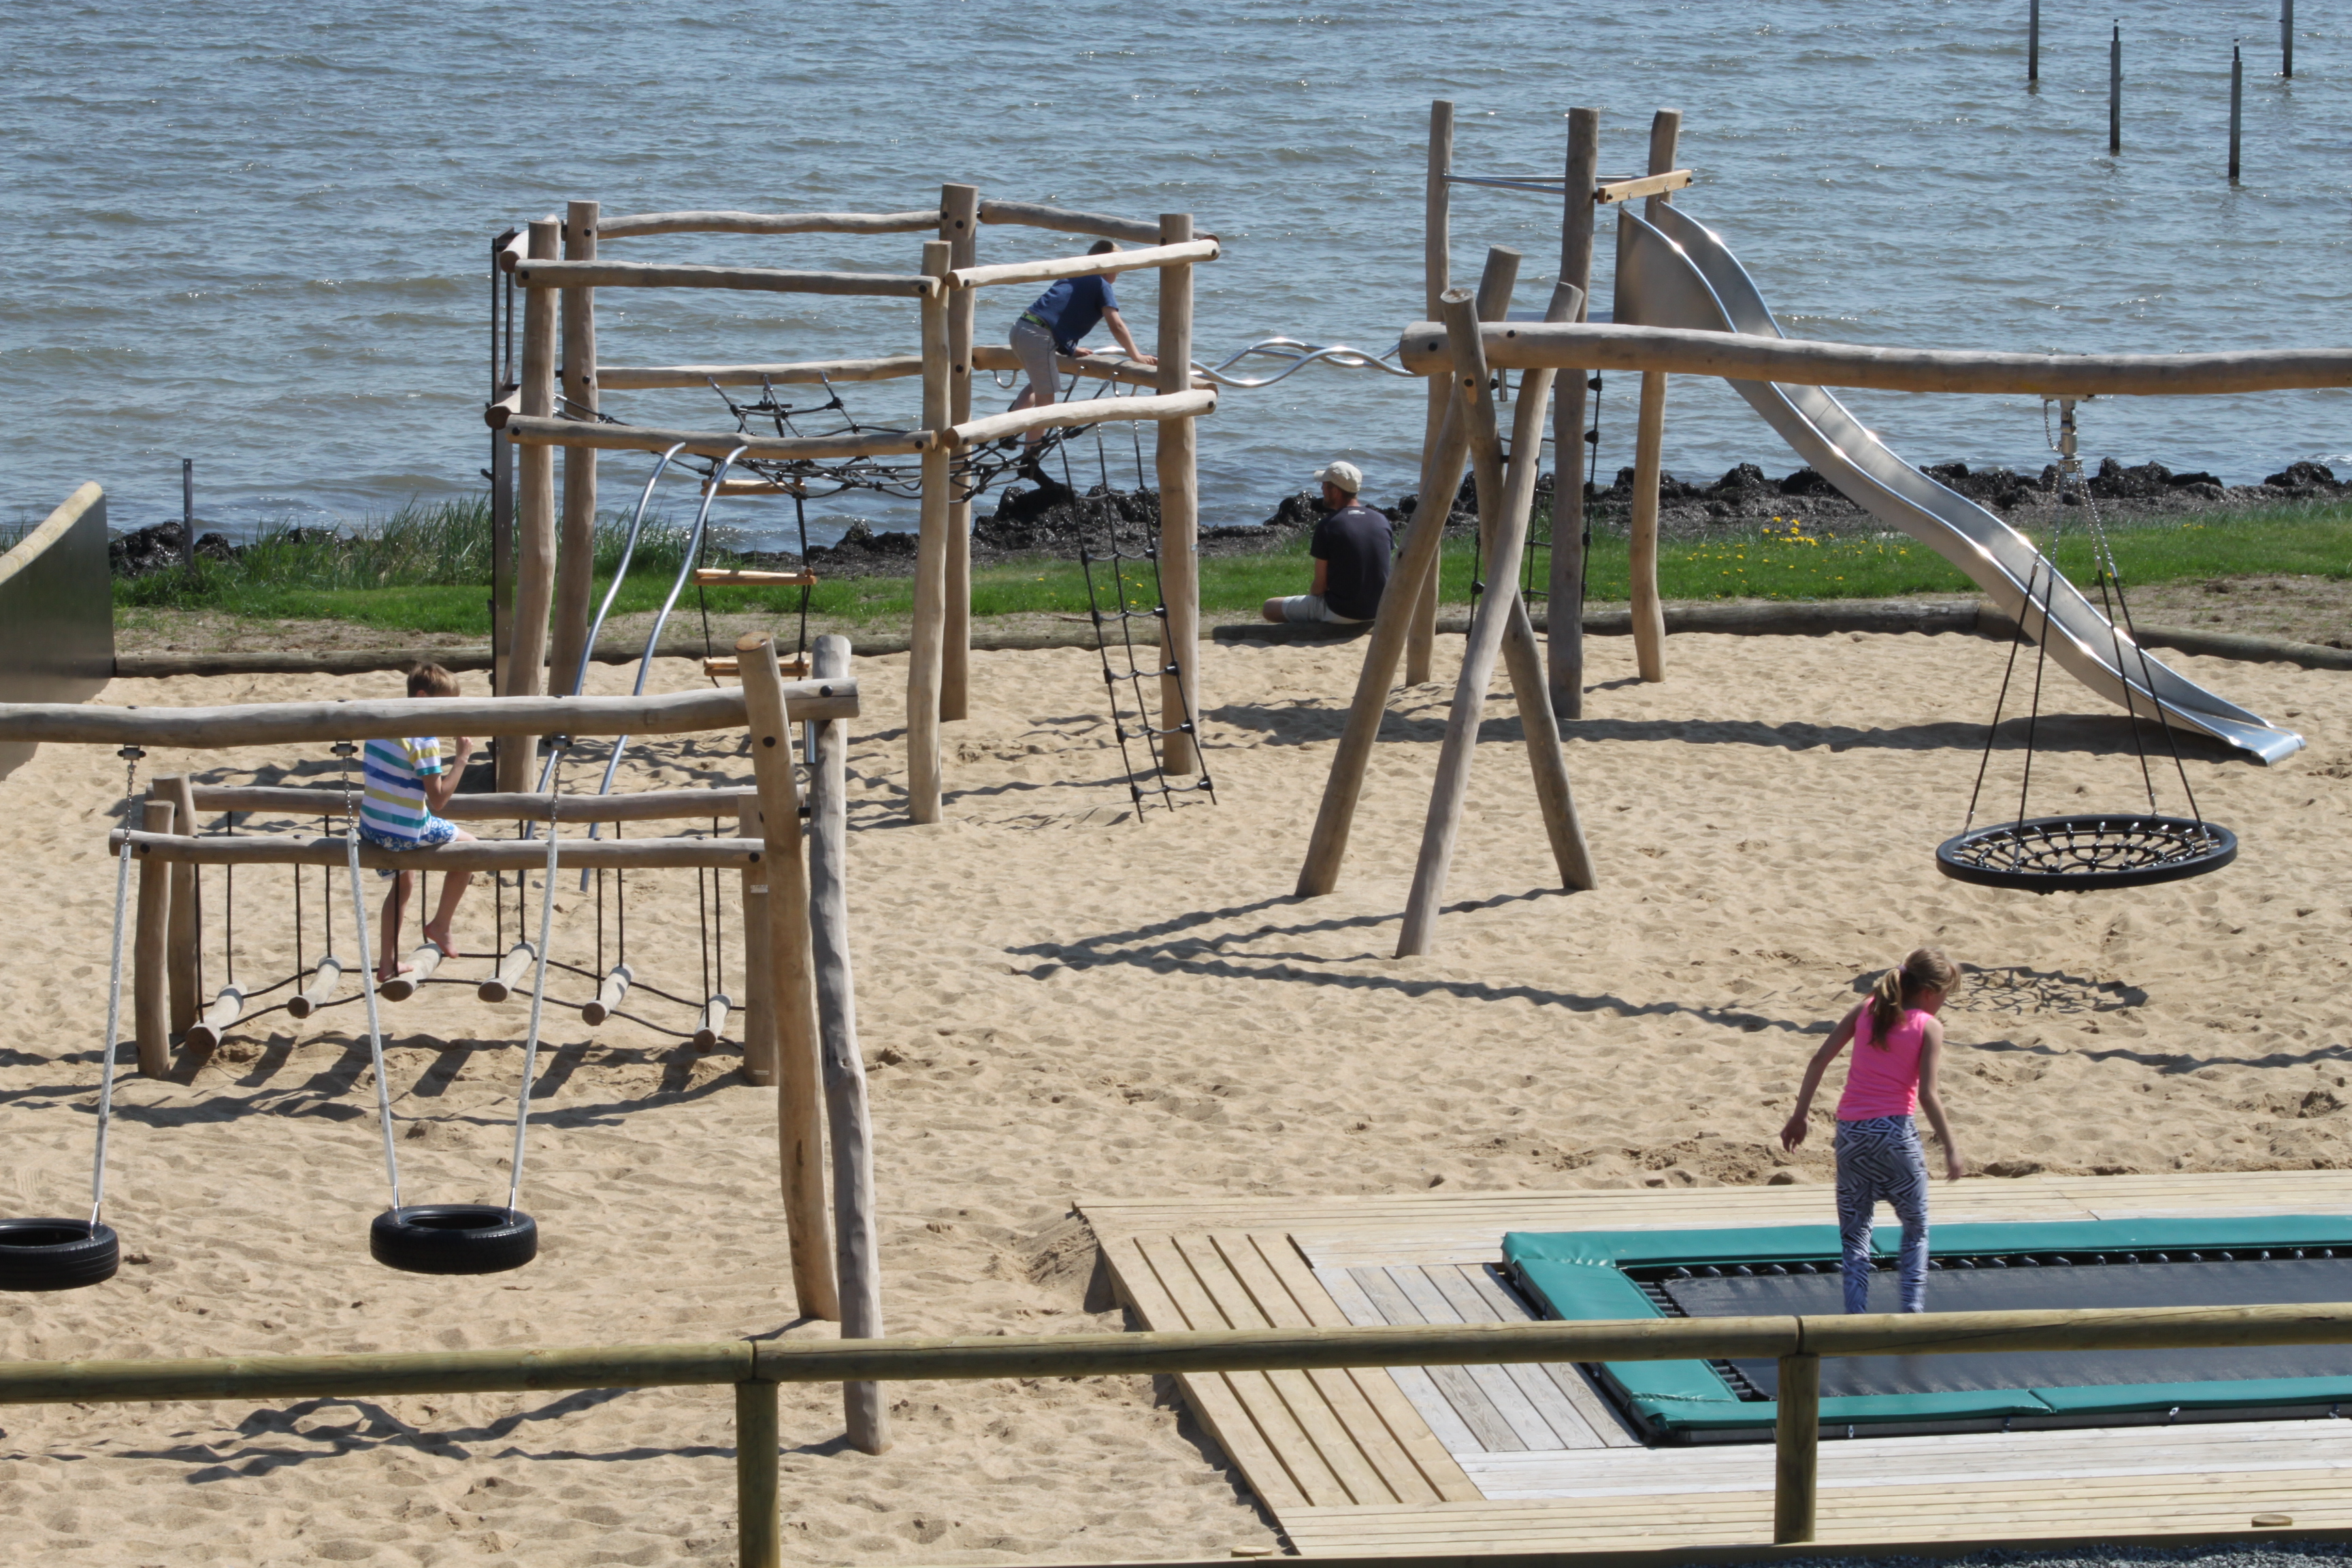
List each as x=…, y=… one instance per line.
x=755, y=1369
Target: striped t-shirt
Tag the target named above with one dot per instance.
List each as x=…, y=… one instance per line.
x=392, y=773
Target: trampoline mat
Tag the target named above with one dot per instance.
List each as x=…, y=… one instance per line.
x=2017, y=1288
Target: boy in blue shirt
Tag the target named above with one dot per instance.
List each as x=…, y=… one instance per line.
x=1061, y=316
x=404, y=786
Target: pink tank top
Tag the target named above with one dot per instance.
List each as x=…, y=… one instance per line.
x=1884, y=1082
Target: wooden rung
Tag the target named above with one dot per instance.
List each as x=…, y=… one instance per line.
x=723, y=665
x=758, y=488
x=1647, y=186
x=721, y=576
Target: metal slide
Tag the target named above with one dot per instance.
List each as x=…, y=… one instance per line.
x=1677, y=273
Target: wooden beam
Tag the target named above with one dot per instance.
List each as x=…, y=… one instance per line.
x=759, y=1476
x=1649, y=613
x=1069, y=220
x=789, y=373
x=534, y=514
x=960, y=226
x=1436, y=277
x=150, y=1021
x=1564, y=624
x=533, y=432
x=1796, y=1441
x=1176, y=466
x=1647, y=186
x=575, y=551
x=1082, y=411
x=162, y=849
x=728, y=577
x=800, y=1104
x=642, y=805
x=182, y=962
x=1055, y=269
x=634, y=225
x=789, y=664
x=1109, y=364
x=759, y=950
x=926, y=635
x=1799, y=362
x=295, y=723
x=537, y=274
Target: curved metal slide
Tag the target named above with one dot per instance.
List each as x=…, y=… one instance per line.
x=1678, y=273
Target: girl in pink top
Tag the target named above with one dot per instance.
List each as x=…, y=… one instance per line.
x=1897, y=1045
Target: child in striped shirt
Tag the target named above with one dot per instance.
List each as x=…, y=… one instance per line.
x=404, y=784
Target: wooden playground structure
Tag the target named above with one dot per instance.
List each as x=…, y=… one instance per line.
x=558, y=404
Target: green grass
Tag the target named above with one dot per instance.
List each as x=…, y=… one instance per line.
x=424, y=568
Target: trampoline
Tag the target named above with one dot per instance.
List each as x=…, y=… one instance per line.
x=1793, y=1270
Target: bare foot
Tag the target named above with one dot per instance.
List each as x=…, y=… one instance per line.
x=441, y=939
x=386, y=973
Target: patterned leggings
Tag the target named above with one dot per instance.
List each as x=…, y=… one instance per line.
x=1879, y=1157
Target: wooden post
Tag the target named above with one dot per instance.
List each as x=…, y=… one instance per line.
x=2237, y=104
x=759, y=1463
x=187, y=911
x=1496, y=283
x=799, y=1126
x=2286, y=38
x=960, y=226
x=855, y=1233
x=1326, y=848
x=923, y=654
x=1176, y=448
x=149, y=988
x=1436, y=277
x=1564, y=613
x=1796, y=1448
x=759, y=988
x=1649, y=443
x=535, y=512
x=2033, y=43
x=575, y=555
x=2116, y=91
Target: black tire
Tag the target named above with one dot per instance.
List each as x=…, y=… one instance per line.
x=56, y=1254
x=453, y=1239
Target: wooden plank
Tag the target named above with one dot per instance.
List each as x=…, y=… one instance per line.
x=1211, y=1398
x=1437, y=1414
x=1489, y=1281
x=1495, y=1382
x=1395, y=1410
x=1469, y=1401
x=1299, y=1391
x=1567, y=1422
x=1642, y=185
x=1278, y=1431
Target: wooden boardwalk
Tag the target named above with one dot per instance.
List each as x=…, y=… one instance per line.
x=1532, y=1459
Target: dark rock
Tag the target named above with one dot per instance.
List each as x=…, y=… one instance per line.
x=1806, y=482
x=1306, y=508
x=1742, y=480
x=1993, y=487
x=155, y=548
x=1051, y=518
x=2115, y=482
x=2200, y=477
x=2303, y=476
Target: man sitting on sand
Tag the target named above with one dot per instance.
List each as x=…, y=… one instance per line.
x=404, y=784
x=1351, y=549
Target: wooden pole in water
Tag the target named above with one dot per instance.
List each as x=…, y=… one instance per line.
x=2116, y=91
x=1436, y=277
x=960, y=226
x=2286, y=38
x=800, y=1114
x=923, y=654
x=2033, y=43
x=151, y=1019
x=759, y=984
x=2237, y=104
x=187, y=911
x=1650, y=435
x=576, y=554
x=1176, y=451
x=535, y=512
x=856, y=1221
x=1564, y=652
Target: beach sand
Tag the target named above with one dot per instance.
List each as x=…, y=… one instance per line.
x=1058, y=1000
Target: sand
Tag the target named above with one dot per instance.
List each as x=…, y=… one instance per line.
x=1058, y=1000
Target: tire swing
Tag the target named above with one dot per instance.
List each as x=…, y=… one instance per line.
x=68, y=1254
x=2086, y=850
x=452, y=1238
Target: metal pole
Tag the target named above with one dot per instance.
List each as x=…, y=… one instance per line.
x=2116, y=91
x=2286, y=38
x=188, y=512
x=2237, y=104
x=2033, y=44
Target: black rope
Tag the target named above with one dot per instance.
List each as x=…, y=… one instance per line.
x=1985, y=758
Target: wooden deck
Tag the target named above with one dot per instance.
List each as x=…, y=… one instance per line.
x=1532, y=1458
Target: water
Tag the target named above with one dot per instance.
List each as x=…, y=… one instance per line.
x=256, y=235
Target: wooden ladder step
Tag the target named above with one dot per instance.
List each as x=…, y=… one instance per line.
x=727, y=577
x=790, y=664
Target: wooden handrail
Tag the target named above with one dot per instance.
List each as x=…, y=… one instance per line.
x=1057, y=268
x=459, y=855
x=635, y=224
x=1083, y=411
x=545, y=430
x=638, y=805
x=1069, y=220
x=687, y=275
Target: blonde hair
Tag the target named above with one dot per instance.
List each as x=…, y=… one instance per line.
x=1927, y=969
x=431, y=681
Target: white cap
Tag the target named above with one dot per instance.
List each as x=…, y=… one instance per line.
x=1343, y=476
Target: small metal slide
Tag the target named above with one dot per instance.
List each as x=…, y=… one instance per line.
x=1677, y=273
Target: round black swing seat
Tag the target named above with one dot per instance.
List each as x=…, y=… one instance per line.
x=2090, y=851
x=453, y=1239
x=56, y=1254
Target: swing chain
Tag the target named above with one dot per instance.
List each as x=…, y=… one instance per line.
x=132, y=757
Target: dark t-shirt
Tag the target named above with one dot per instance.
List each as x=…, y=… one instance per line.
x=1072, y=307
x=1356, y=540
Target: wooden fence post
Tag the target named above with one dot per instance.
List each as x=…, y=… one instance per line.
x=960, y=226
x=855, y=1233
x=1649, y=445
x=187, y=921
x=149, y=988
x=1564, y=602
x=1436, y=277
x=758, y=1463
x=575, y=555
x=923, y=653
x=1796, y=1450
x=534, y=513
x=759, y=984
x=1176, y=448
x=800, y=1115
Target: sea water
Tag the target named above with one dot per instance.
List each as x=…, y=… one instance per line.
x=256, y=235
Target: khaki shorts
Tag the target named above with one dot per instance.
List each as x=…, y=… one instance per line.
x=1035, y=344
x=1311, y=607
